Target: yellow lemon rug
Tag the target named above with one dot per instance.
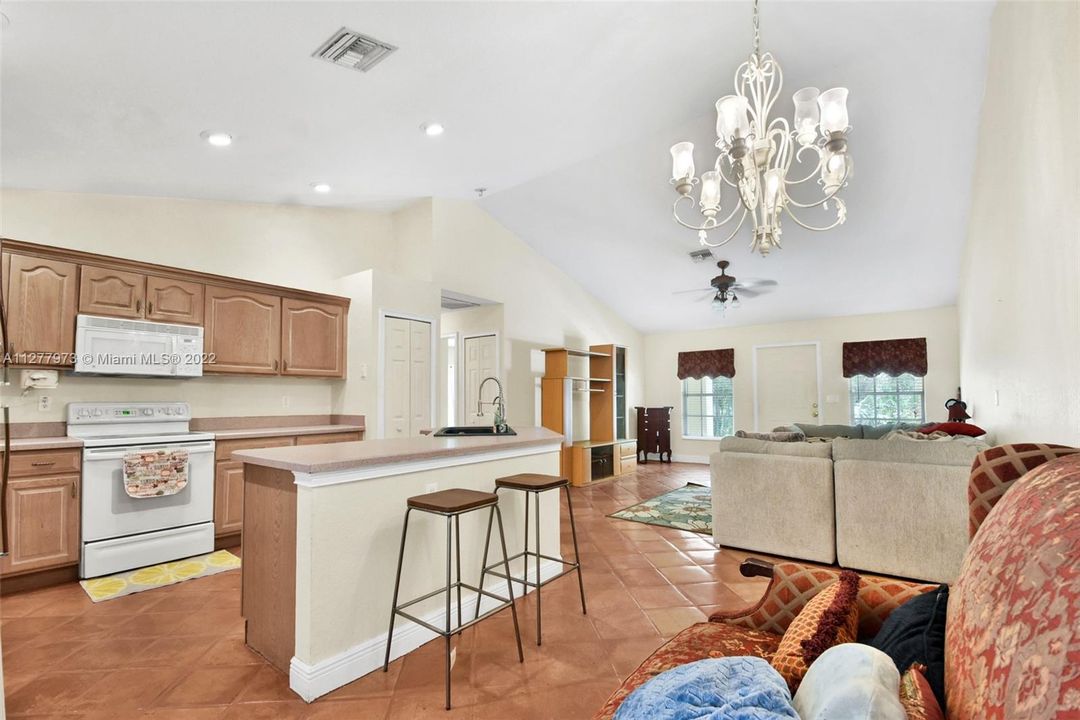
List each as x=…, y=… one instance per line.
x=110, y=587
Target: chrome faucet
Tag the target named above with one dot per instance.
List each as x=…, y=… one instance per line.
x=500, y=405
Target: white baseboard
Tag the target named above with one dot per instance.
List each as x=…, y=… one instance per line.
x=311, y=681
x=697, y=459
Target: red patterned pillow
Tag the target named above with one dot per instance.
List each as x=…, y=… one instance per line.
x=953, y=428
x=917, y=697
x=830, y=618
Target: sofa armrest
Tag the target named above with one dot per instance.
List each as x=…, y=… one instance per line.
x=792, y=585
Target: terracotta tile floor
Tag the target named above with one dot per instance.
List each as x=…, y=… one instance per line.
x=179, y=652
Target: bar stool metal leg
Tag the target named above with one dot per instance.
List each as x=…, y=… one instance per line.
x=483, y=565
x=509, y=586
x=397, y=586
x=539, y=615
x=577, y=556
x=449, y=587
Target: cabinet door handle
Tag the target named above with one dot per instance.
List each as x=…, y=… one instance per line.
x=74, y=489
x=149, y=307
x=43, y=463
x=275, y=365
x=285, y=365
x=138, y=306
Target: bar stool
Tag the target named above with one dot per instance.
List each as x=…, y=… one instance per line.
x=534, y=484
x=452, y=504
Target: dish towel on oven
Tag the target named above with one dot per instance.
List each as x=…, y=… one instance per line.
x=154, y=473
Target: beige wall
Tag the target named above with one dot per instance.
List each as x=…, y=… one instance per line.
x=938, y=326
x=1019, y=305
x=300, y=247
x=471, y=253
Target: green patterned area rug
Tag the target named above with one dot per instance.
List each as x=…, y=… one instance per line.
x=688, y=508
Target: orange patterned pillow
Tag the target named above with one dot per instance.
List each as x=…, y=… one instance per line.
x=917, y=697
x=830, y=618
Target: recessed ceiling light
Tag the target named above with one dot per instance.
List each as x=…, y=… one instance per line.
x=432, y=129
x=217, y=139
x=320, y=187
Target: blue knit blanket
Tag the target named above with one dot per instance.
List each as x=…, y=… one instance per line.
x=731, y=688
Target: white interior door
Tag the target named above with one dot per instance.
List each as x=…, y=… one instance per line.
x=419, y=377
x=786, y=385
x=481, y=361
x=397, y=384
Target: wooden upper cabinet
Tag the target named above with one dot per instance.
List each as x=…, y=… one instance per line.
x=41, y=306
x=312, y=339
x=116, y=293
x=174, y=301
x=242, y=332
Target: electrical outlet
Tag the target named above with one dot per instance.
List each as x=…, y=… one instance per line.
x=363, y=371
x=431, y=487
x=44, y=403
x=997, y=398
x=285, y=401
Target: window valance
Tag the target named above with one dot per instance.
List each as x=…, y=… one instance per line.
x=707, y=363
x=893, y=357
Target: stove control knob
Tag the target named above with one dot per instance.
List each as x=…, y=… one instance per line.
x=97, y=412
x=148, y=411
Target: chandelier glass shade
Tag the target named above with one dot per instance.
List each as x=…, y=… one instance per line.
x=764, y=160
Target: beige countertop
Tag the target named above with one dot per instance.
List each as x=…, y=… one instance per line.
x=369, y=453
x=259, y=432
x=42, y=443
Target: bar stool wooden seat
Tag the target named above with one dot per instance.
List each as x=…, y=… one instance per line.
x=452, y=504
x=533, y=484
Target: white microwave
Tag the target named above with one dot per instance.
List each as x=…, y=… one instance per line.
x=111, y=346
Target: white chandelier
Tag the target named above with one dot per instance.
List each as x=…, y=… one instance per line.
x=756, y=155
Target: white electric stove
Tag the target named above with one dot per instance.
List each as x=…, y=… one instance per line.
x=121, y=532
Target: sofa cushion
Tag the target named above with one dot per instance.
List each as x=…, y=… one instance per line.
x=917, y=697
x=830, y=618
x=898, y=451
x=774, y=436
x=730, y=688
x=997, y=468
x=954, y=428
x=831, y=431
x=915, y=634
x=697, y=642
x=1012, y=638
x=851, y=682
x=765, y=447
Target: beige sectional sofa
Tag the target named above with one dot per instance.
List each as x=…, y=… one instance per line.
x=891, y=506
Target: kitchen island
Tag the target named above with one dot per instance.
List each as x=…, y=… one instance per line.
x=322, y=530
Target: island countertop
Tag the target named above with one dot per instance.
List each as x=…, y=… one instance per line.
x=368, y=453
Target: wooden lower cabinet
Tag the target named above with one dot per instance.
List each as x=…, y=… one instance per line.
x=229, y=473
x=43, y=521
x=228, y=497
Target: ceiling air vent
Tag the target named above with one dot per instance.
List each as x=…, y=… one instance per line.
x=701, y=255
x=353, y=50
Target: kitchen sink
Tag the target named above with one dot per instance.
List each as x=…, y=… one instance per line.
x=454, y=431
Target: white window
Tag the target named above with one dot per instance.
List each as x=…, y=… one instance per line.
x=708, y=407
x=884, y=399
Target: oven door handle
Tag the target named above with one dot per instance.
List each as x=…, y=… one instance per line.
x=118, y=453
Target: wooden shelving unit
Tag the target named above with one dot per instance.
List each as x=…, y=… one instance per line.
x=606, y=452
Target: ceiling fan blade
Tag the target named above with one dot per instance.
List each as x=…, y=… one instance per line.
x=752, y=292
x=695, y=290
x=755, y=283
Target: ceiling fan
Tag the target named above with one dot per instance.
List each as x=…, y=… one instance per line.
x=726, y=289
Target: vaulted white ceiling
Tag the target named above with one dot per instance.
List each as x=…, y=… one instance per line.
x=564, y=111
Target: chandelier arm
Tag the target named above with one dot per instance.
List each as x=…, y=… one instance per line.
x=817, y=168
x=710, y=223
x=726, y=240
x=828, y=196
x=720, y=171
x=841, y=215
